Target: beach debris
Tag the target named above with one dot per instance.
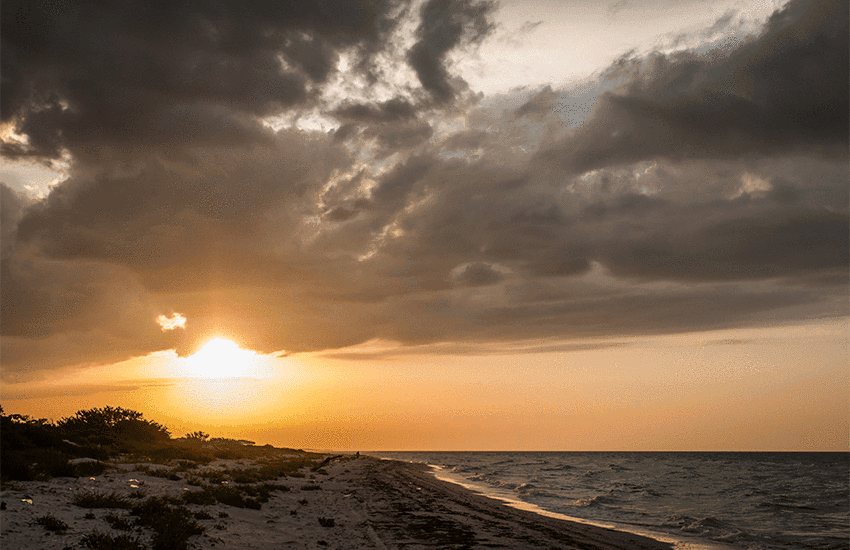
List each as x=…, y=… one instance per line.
x=325, y=462
x=27, y=499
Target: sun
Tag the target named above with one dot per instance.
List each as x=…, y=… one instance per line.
x=221, y=358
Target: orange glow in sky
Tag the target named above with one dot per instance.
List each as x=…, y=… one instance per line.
x=732, y=390
x=221, y=358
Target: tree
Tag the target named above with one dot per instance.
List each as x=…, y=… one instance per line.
x=114, y=426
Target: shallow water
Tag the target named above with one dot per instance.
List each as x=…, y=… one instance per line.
x=757, y=501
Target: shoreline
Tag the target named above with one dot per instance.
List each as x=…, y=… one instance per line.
x=350, y=503
x=678, y=541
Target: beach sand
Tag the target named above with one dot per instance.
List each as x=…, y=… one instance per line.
x=372, y=504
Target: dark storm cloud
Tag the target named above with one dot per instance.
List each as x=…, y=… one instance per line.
x=446, y=25
x=709, y=190
x=144, y=76
x=782, y=92
x=204, y=214
x=741, y=247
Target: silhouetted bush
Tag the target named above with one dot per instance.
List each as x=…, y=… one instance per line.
x=114, y=427
x=47, y=463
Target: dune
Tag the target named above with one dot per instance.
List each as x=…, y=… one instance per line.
x=348, y=503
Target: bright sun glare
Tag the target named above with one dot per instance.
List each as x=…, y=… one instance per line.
x=221, y=358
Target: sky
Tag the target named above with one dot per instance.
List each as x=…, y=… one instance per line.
x=431, y=225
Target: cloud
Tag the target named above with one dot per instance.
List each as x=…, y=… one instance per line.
x=370, y=351
x=446, y=25
x=782, y=92
x=431, y=217
x=154, y=78
x=477, y=274
x=171, y=323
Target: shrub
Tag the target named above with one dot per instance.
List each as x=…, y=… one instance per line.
x=15, y=465
x=203, y=497
x=113, y=427
x=52, y=524
x=101, y=541
x=311, y=488
x=172, y=525
x=51, y=463
x=214, y=476
x=93, y=499
x=203, y=514
x=117, y=522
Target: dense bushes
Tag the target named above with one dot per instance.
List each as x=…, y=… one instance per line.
x=118, y=428
x=38, y=449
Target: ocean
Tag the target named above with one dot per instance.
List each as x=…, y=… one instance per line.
x=700, y=500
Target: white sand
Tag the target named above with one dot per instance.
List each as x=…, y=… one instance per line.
x=374, y=504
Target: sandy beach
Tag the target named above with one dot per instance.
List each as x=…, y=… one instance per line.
x=349, y=503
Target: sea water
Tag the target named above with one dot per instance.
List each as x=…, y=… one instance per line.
x=756, y=501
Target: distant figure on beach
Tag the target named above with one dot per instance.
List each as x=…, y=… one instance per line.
x=357, y=454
